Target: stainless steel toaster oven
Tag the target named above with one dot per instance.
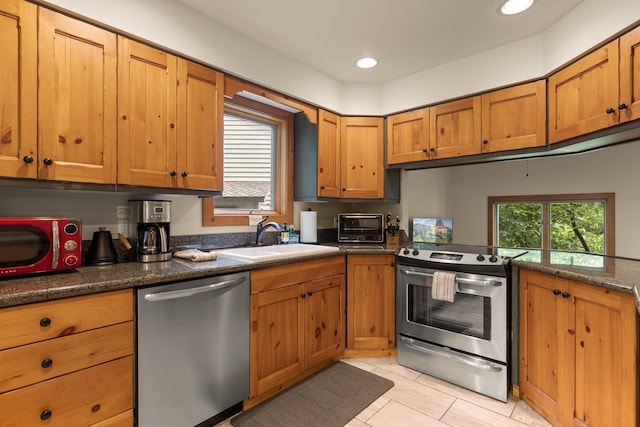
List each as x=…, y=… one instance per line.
x=360, y=228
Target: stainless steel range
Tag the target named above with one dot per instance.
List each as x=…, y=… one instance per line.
x=464, y=341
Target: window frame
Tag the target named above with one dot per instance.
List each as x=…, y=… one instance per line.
x=546, y=200
x=283, y=172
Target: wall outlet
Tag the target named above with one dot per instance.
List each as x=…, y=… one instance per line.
x=122, y=212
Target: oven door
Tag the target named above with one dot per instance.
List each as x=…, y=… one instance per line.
x=476, y=322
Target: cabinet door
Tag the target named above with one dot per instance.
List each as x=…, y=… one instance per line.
x=605, y=351
x=277, y=338
x=408, y=136
x=200, y=126
x=515, y=117
x=77, y=100
x=583, y=97
x=18, y=89
x=328, y=154
x=362, y=158
x=546, y=346
x=147, y=115
x=630, y=76
x=371, y=302
x=455, y=128
x=324, y=319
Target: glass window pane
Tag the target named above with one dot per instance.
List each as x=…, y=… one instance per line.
x=249, y=165
x=578, y=227
x=519, y=225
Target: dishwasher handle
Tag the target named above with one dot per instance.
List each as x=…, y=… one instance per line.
x=183, y=293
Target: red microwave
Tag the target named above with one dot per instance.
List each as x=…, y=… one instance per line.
x=37, y=244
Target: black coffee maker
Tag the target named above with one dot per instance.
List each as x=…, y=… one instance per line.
x=149, y=222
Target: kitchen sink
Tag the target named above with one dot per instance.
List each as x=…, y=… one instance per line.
x=264, y=253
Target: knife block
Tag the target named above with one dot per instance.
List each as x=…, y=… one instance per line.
x=393, y=239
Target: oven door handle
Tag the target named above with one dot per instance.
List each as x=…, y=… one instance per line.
x=458, y=279
x=458, y=358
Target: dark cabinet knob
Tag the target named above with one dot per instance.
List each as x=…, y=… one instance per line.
x=393, y=264
x=310, y=293
x=46, y=414
x=622, y=106
x=610, y=110
x=344, y=189
x=485, y=141
x=46, y=363
x=173, y=173
x=184, y=174
x=303, y=296
x=424, y=150
x=556, y=291
x=322, y=187
x=27, y=159
x=47, y=161
x=432, y=149
x=566, y=294
x=45, y=321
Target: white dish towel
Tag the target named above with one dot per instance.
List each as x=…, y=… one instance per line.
x=196, y=255
x=443, y=286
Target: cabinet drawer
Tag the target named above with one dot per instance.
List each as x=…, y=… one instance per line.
x=40, y=321
x=124, y=419
x=24, y=365
x=291, y=274
x=78, y=399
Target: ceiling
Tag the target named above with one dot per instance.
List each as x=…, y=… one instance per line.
x=406, y=36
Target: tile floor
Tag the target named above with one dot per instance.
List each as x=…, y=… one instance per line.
x=417, y=399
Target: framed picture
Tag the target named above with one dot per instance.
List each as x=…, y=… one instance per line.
x=433, y=230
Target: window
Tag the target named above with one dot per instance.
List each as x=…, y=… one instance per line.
x=564, y=223
x=258, y=165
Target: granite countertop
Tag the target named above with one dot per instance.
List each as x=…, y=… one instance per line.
x=87, y=280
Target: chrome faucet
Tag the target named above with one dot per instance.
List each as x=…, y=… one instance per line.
x=262, y=227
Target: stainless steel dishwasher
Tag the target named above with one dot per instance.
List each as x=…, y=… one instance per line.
x=192, y=359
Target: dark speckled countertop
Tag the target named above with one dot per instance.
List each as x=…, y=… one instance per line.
x=87, y=280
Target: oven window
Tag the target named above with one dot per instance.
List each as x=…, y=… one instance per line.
x=22, y=245
x=468, y=315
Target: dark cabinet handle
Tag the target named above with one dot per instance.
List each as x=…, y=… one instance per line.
x=566, y=294
x=47, y=161
x=46, y=363
x=184, y=174
x=46, y=414
x=393, y=264
x=303, y=296
x=173, y=173
x=322, y=187
x=485, y=141
x=432, y=149
x=45, y=321
x=424, y=150
x=556, y=291
x=27, y=159
x=610, y=110
x=622, y=106
x=309, y=293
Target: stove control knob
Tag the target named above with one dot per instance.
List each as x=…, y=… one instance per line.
x=493, y=258
x=480, y=257
x=415, y=252
x=406, y=252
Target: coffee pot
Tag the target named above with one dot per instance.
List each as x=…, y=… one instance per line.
x=101, y=251
x=149, y=225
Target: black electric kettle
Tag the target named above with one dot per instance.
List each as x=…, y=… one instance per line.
x=101, y=251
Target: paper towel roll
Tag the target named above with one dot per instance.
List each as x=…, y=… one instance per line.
x=308, y=226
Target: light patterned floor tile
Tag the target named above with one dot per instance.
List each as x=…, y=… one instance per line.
x=359, y=363
x=370, y=410
x=395, y=414
x=390, y=364
x=356, y=423
x=528, y=416
x=465, y=414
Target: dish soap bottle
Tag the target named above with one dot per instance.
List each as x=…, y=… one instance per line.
x=293, y=237
x=284, y=235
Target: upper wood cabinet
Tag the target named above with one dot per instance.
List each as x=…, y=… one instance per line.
x=408, y=136
x=18, y=89
x=77, y=100
x=200, y=127
x=147, y=132
x=328, y=154
x=630, y=75
x=455, y=128
x=515, y=117
x=575, y=339
x=362, y=157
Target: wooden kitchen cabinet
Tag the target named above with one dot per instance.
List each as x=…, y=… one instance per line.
x=455, y=128
x=68, y=361
x=370, y=305
x=18, y=89
x=630, y=75
x=297, y=321
x=578, y=351
x=408, y=136
x=328, y=154
x=515, y=117
x=77, y=100
x=362, y=157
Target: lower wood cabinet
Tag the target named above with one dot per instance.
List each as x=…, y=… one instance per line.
x=370, y=305
x=68, y=362
x=578, y=352
x=297, y=320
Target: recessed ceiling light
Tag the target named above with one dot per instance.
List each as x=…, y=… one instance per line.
x=512, y=7
x=366, y=62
